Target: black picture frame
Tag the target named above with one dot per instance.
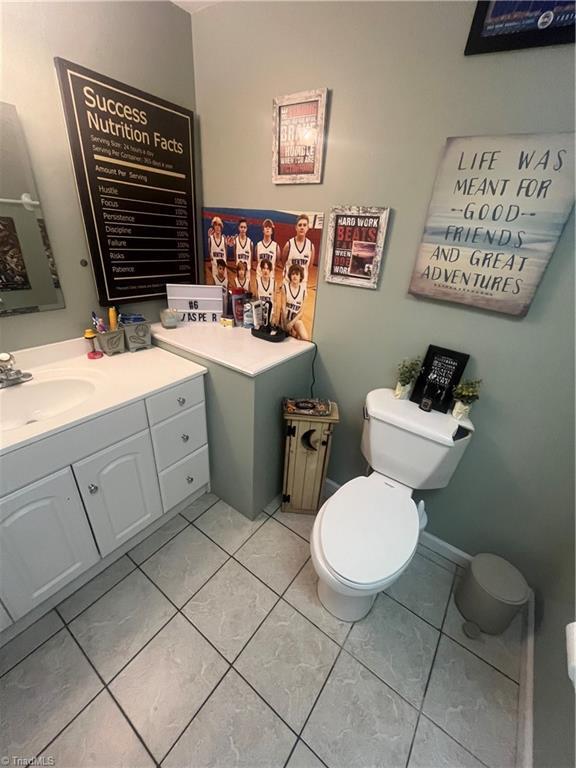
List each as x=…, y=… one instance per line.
x=530, y=38
x=441, y=371
x=128, y=264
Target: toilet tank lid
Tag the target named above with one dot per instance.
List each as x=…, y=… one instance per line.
x=434, y=425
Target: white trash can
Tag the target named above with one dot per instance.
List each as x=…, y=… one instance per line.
x=491, y=593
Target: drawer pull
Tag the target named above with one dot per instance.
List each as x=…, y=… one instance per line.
x=190, y=479
x=93, y=488
x=185, y=438
x=181, y=400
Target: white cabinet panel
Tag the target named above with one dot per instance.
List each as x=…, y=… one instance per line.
x=119, y=486
x=40, y=459
x=181, y=479
x=179, y=436
x=45, y=541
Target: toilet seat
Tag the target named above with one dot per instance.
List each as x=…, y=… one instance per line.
x=368, y=531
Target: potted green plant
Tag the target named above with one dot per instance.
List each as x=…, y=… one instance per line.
x=408, y=370
x=465, y=393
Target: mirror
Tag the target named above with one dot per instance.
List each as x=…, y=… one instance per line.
x=28, y=276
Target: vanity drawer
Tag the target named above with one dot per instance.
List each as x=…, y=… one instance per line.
x=177, y=437
x=174, y=400
x=185, y=477
x=32, y=462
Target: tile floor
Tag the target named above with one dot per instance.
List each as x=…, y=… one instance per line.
x=206, y=646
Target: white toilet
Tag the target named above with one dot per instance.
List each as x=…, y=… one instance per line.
x=365, y=535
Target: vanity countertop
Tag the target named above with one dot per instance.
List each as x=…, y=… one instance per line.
x=234, y=348
x=111, y=382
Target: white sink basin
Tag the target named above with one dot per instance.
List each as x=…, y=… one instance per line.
x=48, y=394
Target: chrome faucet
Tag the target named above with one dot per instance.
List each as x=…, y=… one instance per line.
x=9, y=374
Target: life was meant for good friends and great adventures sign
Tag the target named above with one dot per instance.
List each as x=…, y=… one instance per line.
x=498, y=207
x=133, y=162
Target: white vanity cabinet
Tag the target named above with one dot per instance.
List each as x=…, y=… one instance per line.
x=177, y=420
x=45, y=541
x=86, y=493
x=119, y=487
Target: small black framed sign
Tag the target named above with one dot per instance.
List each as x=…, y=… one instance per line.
x=507, y=26
x=133, y=161
x=441, y=371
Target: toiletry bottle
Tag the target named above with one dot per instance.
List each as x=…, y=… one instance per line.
x=94, y=354
x=257, y=313
x=238, y=297
x=248, y=320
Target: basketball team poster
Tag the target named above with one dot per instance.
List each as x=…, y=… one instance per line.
x=272, y=254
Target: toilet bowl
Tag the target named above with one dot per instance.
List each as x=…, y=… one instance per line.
x=365, y=535
x=363, y=538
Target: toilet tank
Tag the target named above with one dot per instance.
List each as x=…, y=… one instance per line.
x=417, y=448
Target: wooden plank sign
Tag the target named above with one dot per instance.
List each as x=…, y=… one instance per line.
x=498, y=207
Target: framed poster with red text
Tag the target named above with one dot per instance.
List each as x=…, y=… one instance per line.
x=298, y=140
x=355, y=244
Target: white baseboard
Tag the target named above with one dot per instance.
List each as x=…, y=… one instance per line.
x=442, y=547
x=524, y=752
x=330, y=487
x=273, y=505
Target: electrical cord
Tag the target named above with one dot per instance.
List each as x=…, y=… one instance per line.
x=313, y=372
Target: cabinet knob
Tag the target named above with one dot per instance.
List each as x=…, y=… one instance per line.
x=185, y=438
x=181, y=400
x=190, y=479
x=93, y=488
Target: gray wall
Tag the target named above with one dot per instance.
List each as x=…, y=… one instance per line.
x=147, y=45
x=400, y=86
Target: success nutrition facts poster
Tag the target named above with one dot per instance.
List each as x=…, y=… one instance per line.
x=133, y=161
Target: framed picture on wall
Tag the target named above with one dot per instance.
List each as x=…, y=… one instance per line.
x=506, y=26
x=355, y=244
x=273, y=254
x=441, y=371
x=298, y=137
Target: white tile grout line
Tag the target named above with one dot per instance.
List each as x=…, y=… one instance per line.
x=230, y=665
x=438, y=639
x=105, y=688
x=280, y=597
x=524, y=742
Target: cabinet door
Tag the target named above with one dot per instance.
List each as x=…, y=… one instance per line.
x=119, y=486
x=306, y=460
x=45, y=541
